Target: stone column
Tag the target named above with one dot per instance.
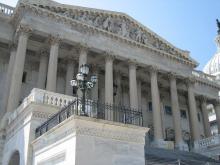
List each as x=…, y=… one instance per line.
x=69, y=76
x=192, y=111
x=207, y=129
x=139, y=86
x=179, y=144
x=133, y=85
x=109, y=84
x=217, y=112
x=95, y=89
x=109, y=79
x=158, y=132
x=53, y=62
x=17, y=71
x=42, y=75
x=8, y=79
x=83, y=51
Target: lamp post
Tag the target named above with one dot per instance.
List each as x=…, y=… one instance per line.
x=83, y=82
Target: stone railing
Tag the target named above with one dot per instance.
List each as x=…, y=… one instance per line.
x=208, y=142
x=203, y=75
x=42, y=97
x=6, y=10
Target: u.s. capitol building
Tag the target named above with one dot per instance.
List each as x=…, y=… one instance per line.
x=148, y=93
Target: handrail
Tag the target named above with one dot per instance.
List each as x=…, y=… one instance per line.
x=93, y=109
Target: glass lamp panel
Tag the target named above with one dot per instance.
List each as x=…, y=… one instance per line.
x=73, y=83
x=89, y=84
x=80, y=77
x=94, y=78
x=84, y=69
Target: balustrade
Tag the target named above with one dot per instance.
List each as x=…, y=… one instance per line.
x=207, y=142
x=6, y=10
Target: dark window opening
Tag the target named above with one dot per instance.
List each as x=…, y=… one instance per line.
x=150, y=108
x=168, y=110
x=24, y=77
x=183, y=114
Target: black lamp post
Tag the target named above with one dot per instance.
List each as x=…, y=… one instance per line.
x=84, y=83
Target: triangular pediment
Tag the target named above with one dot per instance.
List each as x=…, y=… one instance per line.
x=117, y=23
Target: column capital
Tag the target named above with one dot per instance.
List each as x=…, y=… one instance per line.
x=24, y=30
x=153, y=69
x=12, y=46
x=54, y=39
x=202, y=98
x=132, y=63
x=109, y=56
x=190, y=81
x=172, y=75
x=82, y=47
x=216, y=102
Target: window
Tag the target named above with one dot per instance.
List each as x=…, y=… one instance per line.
x=198, y=115
x=150, y=108
x=168, y=110
x=183, y=114
x=24, y=77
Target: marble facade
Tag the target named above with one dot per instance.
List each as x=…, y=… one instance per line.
x=43, y=43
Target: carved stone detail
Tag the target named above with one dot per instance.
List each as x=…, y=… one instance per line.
x=24, y=29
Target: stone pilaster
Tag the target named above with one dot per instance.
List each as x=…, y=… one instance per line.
x=139, y=89
x=13, y=49
x=133, y=85
x=118, y=94
x=206, y=123
x=158, y=133
x=53, y=62
x=95, y=90
x=69, y=76
x=179, y=143
x=193, y=111
x=17, y=71
x=42, y=75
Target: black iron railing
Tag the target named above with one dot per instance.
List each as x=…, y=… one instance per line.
x=93, y=109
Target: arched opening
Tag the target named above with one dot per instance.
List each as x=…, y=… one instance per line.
x=15, y=159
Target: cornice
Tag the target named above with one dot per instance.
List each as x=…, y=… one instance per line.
x=91, y=29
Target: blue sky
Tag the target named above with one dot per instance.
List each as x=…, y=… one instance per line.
x=188, y=24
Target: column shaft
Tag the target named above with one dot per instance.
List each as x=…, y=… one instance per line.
x=69, y=77
x=207, y=129
x=52, y=67
x=193, y=114
x=217, y=112
x=176, y=111
x=158, y=134
x=16, y=78
x=139, y=95
x=42, y=75
x=133, y=86
x=8, y=81
x=109, y=80
x=109, y=86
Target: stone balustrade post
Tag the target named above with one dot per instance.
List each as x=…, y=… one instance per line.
x=53, y=62
x=18, y=67
x=42, y=75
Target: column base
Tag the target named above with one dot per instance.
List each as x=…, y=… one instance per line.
x=160, y=143
x=182, y=146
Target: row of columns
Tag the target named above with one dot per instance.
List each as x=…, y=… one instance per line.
x=48, y=75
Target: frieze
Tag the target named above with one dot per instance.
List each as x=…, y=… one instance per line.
x=112, y=22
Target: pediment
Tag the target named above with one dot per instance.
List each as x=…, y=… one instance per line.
x=113, y=22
